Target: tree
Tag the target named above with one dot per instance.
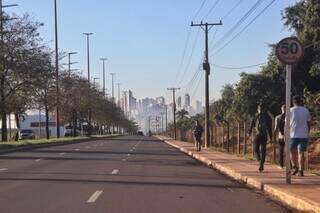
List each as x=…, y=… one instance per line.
x=19, y=45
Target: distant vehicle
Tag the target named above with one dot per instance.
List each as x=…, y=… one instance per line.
x=27, y=134
x=140, y=133
x=69, y=132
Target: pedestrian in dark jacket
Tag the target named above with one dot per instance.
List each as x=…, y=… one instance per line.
x=263, y=126
x=197, y=132
x=279, y=130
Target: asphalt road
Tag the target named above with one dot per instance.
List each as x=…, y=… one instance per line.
x=125, y=174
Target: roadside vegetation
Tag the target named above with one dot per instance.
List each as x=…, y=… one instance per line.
x=28, y=81
x=231, y=114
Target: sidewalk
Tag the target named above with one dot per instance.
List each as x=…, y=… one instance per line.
x=303, y=194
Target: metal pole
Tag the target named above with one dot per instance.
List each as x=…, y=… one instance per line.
x=166, y=120
x=57, y=70
x=119, y=103
x=287, y=123
x=104, y=75
x=112, y=81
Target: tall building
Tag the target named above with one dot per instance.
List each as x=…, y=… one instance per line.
x=186, y=100
x=199, y=107
x=179, y=102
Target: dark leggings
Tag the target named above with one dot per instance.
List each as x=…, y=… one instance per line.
x=281, y=152
x=260, y=148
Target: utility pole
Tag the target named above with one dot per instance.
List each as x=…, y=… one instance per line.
x=174, y=110
x=166, y=120
x=57, y=69
x=69, y=62
x=162, y=126
x=104, y=75
x=206, y=66
x=112, y=79
x=119, y=102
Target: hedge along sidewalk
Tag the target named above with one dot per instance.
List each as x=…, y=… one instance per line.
x=303, y=194
x=6, y=147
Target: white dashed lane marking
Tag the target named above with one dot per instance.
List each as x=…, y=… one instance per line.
x=94, y=196
x=115, y=171
x=37, y=160
x=3, y=169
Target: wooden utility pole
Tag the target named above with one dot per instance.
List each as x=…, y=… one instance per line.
x=174, y=110
x=206, y=66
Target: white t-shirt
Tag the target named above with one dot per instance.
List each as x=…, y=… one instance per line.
x=299, y=118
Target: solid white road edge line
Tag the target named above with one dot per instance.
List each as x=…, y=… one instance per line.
x=94, y=196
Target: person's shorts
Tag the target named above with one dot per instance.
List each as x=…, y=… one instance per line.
x=300, y=144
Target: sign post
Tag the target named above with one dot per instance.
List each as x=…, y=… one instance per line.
x=289, y=51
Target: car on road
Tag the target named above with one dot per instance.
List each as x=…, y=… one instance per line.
x=27, y=134
x=140, y=133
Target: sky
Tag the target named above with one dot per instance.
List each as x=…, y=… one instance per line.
x=150, y=44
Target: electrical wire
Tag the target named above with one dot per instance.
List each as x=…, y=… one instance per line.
x=190, y=57
x=238, y=24
x=198, y=11
x=238, y=68
x=211, y=9
x=243, y=29
x=196, y=88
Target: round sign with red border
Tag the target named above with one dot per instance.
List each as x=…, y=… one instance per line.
x=289, y=50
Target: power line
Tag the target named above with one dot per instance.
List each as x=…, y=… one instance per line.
x=196, y=88
x=198, y=11
x=187, y=43
x=232, y=9
x=243, y=29
x=183, y=55
x=211, y=9
x=224, y=17
x=236, y=25
x=190, y=57
x=238, y=68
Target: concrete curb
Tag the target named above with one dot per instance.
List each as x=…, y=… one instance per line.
x=288, y=199
x=38, y=146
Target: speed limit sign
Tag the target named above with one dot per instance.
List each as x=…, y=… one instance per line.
x=289, y=50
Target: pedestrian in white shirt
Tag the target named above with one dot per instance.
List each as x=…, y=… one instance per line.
x=299, y=134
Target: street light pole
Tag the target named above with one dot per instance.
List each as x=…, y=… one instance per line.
x=119, y=103
x=88, y=62
x=112, y=79
x=57, y=70
x=104, y=75
x=88, y=53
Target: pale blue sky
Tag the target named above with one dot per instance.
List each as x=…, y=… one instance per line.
x=145, y=39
